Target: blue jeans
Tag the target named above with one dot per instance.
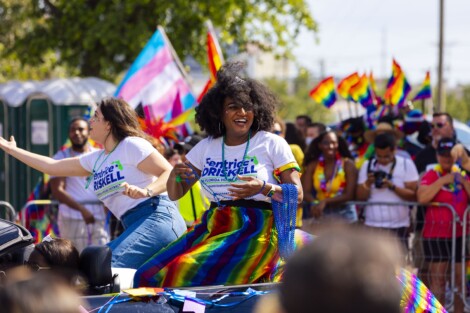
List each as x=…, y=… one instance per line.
x=148, y=227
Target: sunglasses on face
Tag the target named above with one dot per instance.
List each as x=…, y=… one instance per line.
x=438, y=125
x=277, y=132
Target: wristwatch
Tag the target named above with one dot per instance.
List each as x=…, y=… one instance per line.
x=271, y=191
x=149, y=192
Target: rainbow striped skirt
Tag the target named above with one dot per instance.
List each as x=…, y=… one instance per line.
x=229, y=245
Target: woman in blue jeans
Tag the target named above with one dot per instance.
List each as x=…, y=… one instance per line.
x=128, y=175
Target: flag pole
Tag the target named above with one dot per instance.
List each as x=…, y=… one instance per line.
x=175, y=56
x=340, y=115
x=349, y=108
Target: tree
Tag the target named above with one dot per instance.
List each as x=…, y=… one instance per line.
x=457, y=102
x=102, y=38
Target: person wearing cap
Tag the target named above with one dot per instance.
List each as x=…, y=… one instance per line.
x=381, y=128
x=413, y=122
x=194, y=203
x=442, y=126
x=388, y=177
x=444, y=183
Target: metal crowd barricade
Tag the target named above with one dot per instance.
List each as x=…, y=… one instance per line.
x=463, y=261
x=10, y=210
x=455, y=219
x=52, y=203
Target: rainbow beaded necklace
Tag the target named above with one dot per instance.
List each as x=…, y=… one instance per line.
x=453, y=187
x=327, y=184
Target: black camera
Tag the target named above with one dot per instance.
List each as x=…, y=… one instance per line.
x=379, y=178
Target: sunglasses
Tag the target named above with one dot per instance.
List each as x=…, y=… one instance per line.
x=277, y=132
x=35, y=267
x=438, y=125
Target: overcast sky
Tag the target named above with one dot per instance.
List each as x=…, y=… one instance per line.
x=364, y=35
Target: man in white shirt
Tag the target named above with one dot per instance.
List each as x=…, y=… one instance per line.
x=80, y=223
x=388, y=178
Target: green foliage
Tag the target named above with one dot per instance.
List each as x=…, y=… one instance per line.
x=295, y=99
x=102, y=38
x=457, y=103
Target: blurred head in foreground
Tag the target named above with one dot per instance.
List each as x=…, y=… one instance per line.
x=341, y=271
x=42, y=292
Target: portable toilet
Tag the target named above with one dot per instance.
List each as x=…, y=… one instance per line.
x=37, y=114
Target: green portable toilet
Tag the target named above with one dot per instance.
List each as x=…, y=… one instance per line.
x=39, y=114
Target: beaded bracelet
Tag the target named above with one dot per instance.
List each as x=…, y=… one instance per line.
x=261, y=190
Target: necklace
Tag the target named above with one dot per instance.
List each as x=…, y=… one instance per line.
x=224, y=169
x=327, y=184
x=453, y=187
x=90, y=177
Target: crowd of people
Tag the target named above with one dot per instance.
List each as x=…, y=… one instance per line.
x=206, y=210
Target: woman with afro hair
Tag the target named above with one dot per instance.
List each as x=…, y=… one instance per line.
x=245, y=171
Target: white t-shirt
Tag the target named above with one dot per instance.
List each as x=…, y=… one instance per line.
x=389, y=216
x=113, y=169
x=265, y=153
x=75, y=186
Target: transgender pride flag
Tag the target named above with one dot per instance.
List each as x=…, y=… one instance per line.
x=155, y=81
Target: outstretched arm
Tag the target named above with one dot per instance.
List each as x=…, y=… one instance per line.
x=64, y=167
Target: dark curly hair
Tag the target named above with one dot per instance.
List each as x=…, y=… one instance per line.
x=313, y=151
x=245, y=92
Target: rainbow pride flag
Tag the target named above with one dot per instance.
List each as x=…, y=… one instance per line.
x=155, y=80
x=324, y=92
x=345, y=85
x=425, y=90
x=360, y=92
x=215, y=59
x=398, y=87
x=40, y=220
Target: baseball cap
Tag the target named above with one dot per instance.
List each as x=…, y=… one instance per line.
x=445, y=145
x=188, y=143
x=413, y=120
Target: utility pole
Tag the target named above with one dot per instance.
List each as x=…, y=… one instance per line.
x=440, y=81
x=322, y=68
x=384, y=54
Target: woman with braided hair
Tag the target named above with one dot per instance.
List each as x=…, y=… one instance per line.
x=236, y=240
